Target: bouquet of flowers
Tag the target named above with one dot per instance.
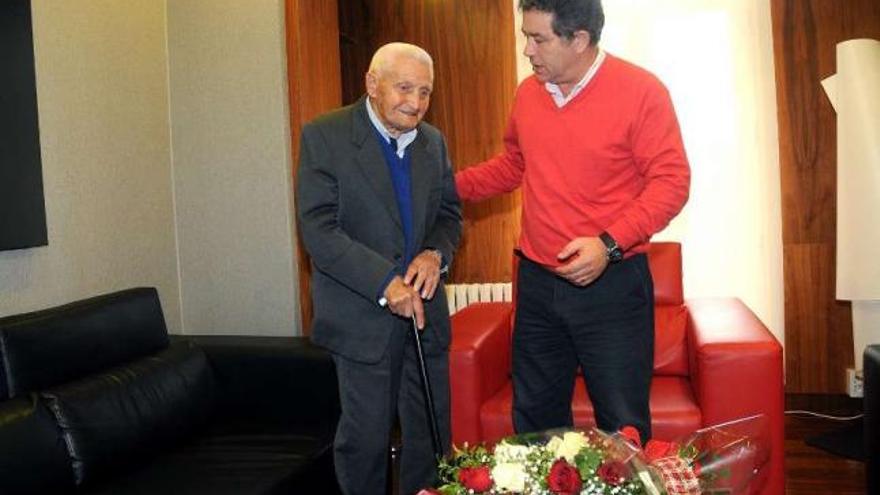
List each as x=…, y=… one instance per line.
x=719, y=459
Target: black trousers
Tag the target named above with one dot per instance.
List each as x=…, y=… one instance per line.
x=372, y=396
x=606, y=328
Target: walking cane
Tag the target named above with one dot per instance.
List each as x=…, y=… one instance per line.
x=426, y=388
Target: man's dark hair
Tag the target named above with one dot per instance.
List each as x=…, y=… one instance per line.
x=570, y=16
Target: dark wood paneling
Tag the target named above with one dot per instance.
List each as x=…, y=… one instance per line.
x=473, y=47
x=313, y=77
x=356, y=46
x=818, y=329
x=814, y=318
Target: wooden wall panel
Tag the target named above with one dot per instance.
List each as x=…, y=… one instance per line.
x=314, y=87
x=816, y=349
x=818, y=328
x=473, y=47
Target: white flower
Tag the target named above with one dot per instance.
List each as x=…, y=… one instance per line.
x=509, y=477
x=568, y=446
x=505, y=452
x=554, y=444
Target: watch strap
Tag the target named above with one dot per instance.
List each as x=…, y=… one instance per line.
x=612, y=249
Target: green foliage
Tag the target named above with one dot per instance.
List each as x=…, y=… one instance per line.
x=587, y=461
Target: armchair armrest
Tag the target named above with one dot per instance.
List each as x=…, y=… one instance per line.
x=479, y=364
x=272, y=382
x=736, y=370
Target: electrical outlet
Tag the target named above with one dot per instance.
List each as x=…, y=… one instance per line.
x=855, y=386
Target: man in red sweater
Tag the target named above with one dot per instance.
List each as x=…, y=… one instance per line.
x=595, y=145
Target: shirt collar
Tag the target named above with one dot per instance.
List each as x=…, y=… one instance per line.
x=404, y=140
x=556, y=92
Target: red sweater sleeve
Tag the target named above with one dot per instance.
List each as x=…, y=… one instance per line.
x=500, y=174
x=659, y=154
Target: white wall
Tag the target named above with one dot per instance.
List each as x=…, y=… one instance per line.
x=102, y=93
x=206, y=219
x=232, y=170
x=716, y=58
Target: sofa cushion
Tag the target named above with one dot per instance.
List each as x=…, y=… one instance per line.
x=261, y=382
x=226, y=463
x=128, y=413
x=674, y=409
x=45, y=348
x=33, y=457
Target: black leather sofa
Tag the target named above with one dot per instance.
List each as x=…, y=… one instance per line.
x=96, y=398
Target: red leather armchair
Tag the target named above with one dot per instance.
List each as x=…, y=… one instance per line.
x=714, y=361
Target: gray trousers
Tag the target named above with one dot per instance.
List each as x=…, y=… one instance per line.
x=372, y=396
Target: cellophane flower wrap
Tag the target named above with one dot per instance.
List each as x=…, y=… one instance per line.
x=725, y=458
x=720, y=459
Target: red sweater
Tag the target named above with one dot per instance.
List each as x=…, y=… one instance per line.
x=611, y=159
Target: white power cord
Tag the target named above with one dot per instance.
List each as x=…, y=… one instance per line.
x=824, y=416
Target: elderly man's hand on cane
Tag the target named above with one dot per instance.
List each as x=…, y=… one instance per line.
x=405, y=301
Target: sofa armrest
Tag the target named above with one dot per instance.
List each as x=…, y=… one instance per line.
x=272, y=382
x=479, y=364
x=736, y=370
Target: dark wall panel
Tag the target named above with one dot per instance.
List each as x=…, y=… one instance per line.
x=22, y=209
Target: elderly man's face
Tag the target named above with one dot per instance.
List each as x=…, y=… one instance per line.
x=401, y=94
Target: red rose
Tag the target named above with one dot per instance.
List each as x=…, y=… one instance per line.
x=698, y=469
x=564, y=479
x=477, y=479
x=657, y=449
x=632, y=434
x=613, y=472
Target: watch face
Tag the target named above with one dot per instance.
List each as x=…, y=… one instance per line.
x=615, y=255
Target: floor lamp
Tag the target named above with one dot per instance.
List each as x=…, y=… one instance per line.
x=854, y=92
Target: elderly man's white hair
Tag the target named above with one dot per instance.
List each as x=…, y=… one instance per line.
x=386, y=54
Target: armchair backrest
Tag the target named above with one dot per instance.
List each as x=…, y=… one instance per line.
x=670, y=314
x=664, y=258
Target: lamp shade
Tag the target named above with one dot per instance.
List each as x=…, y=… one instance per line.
x=855, y=93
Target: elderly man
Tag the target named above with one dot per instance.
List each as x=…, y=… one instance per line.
x=380, y=218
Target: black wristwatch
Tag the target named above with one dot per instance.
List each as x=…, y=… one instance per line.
x=612, y=250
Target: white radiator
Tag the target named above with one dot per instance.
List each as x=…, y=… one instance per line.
x=460, y=295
